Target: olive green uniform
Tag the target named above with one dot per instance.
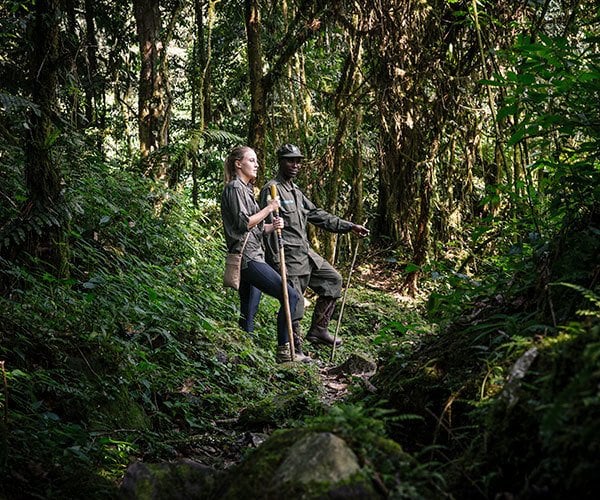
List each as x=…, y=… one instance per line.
x=305, y=268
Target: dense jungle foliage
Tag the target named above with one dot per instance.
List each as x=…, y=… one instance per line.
x=464, y=133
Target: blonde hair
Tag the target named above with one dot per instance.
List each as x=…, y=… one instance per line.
x=234, y=155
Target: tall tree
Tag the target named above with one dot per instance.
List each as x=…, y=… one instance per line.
x=423, y=54
x=204, y=13
x=92, y=89
x=153, y=119
x=259, y=83
x=348, y=119
x=72, y=42
x=42, y=173
x=306, y=22
x=409, y=99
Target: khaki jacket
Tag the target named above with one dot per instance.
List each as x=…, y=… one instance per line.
x=297, y=211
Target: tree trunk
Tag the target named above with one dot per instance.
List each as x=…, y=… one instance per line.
x=201, y=84
x=397, y=192
x=333, y=182
x=152, y=97
x=348, y=119
x=422, y=57
x=261, y=83
x=42, y=174
x=91, y=90
x=357, y=206
x=72, y=45
x=422, y=240
x=201, y=78
x=258, y=106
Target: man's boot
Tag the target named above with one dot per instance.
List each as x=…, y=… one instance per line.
x=318, y=332
x=299, y=355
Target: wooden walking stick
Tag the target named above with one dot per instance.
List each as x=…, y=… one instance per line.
x=282, y=271
x=339, y=322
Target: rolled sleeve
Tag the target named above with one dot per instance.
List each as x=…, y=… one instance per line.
x=237, y=214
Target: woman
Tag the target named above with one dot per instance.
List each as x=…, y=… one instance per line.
x=243, y=220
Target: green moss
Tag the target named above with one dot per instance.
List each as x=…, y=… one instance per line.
x=274, y=409
x=121, y=412
x=256, y=472
x=258, y=468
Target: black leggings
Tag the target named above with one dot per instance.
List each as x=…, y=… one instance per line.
x=260, y=277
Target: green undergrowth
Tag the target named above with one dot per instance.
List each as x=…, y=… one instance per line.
x=542, y=437
x=135, y=355
x=504, y=394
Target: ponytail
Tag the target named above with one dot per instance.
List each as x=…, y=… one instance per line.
x=234, y=155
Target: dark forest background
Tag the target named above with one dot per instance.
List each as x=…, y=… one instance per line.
x=464, y=134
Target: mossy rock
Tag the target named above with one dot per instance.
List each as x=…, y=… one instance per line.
x=300, y=464
x=272, y=410
x=170, y=481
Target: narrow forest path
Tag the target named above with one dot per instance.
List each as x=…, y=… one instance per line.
x=352, y=365
x=337, y=379
x=335, y=387
x=338, y=376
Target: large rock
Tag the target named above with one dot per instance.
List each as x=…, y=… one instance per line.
x=317, y=458
x=169, y=481
x=300, y=464
x=294, y=464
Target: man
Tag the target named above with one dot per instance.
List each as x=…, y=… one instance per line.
x=305, y=268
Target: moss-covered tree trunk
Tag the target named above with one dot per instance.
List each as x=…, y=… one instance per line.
x=258, y=83
x=91, y=77
x=348, y=119
x=201, y=64
x=422, y=55
x=204, y=12
x=42, y=173
x=277, y=59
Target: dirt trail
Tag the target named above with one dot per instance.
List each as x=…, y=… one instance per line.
x=335, y=386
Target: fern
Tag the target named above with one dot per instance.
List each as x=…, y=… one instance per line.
x=10, y=103
x=190, y=149
x=37, y=221
x=589, y=295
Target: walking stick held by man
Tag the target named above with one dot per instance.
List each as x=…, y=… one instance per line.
x=282, y=271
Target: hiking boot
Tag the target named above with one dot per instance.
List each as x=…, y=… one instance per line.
x=297, y=334
x=302, y=358
x=283, y=355
x=318, y=333
x=320, y=336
